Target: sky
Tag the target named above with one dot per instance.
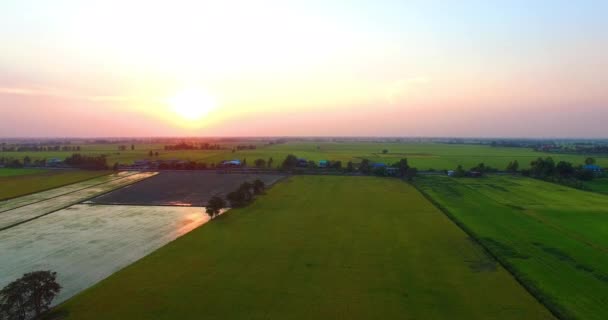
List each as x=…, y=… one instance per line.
x=303, y=68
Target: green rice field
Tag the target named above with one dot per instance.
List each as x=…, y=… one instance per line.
x=316, y=247
x=8, y=172
x=553, y=238
x=598, y=185
x=424, y=156
x=18, y=182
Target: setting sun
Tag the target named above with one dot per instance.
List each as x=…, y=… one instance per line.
x=192, y=104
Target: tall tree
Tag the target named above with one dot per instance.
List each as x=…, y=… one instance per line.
x=290, y=162
x=402, y=166
x=30, y=295
x=365, y=166
x=258, y=186
x=214, y=206
x=260, y=163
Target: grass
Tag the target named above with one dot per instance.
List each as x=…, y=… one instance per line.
x=598, y=185
x=316, y=248
x=553, y=238
x=8, y=172
x=421, y=155
x=22, y=184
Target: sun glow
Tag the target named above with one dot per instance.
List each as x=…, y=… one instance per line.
x=192, y=104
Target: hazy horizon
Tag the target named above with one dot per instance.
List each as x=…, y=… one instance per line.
x=304, y=69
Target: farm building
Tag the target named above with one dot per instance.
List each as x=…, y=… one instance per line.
x=451, y=173
x=474, y=174
x=53, y=162
x=303, y=163
x=323, y=164
x=378, y=165
x=592, y=167
x=390, y=171
x=231, y=163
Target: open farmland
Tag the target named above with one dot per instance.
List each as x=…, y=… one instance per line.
x=553, y=238
x=182, y=188
x=86, y=243
x=316, y=248
x=421, y=155
x=18, y=182
x=19, y=210
x=424, y=156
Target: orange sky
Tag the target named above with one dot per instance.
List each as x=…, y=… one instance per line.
x=387, y=68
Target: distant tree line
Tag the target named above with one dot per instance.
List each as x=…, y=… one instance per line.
x=562, y=172
x=187, y=146
x=38, y=148
x=399, y=169
x=77, y=160
x=244, y=147
x=576, y=148
x=184, y=165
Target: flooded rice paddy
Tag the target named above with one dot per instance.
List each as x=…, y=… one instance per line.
x=182, y=188
x=25, y=208
x=52, y=193
x=86, y=243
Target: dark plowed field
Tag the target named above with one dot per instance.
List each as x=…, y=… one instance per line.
x=181, y=188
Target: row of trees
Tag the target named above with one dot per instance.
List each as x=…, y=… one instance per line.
x=37, y=148
x=244, y=147
x=480, y=170
x=547, y=168
x=187, y=146
x=238, y=198
x=123, y=147
x=87, y=162
x=261, y=163
x=399, y=169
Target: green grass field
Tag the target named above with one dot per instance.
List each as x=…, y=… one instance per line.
x=598, y=185
x=421, y=155
x=17, y=183
x=8, y=172
x=552, y=237
x=316, y=248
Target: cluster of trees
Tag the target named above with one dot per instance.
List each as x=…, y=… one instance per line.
x=244, y=147
x=400, y=169
x=152, y=154
x=479, y=170
x=261, y=163
x=183, y=165
x=580, y=148
x=20, y=163
x=29, y=297
x=123, y=147
x=290, y=162
x=187, y=146
x=244, y=194
x=38, y=148
x=87, y=162
x=548, y=169
x=238, y=198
